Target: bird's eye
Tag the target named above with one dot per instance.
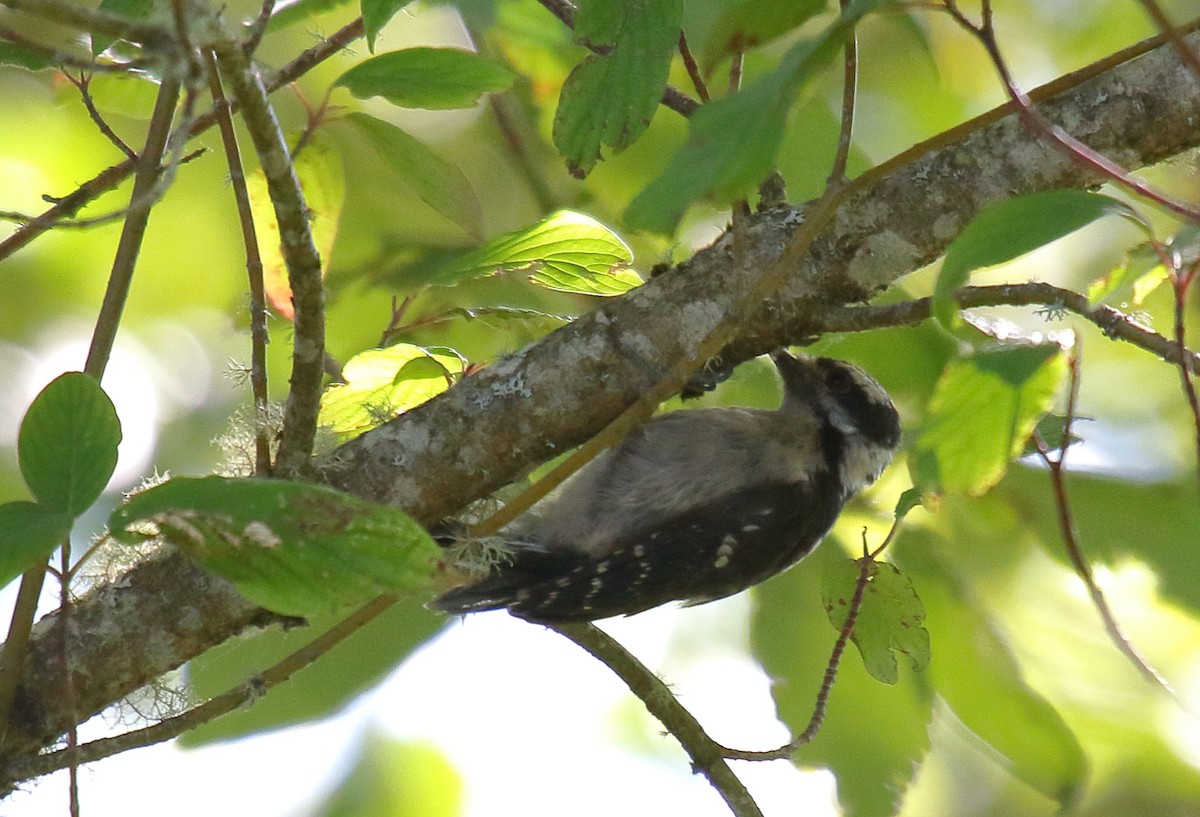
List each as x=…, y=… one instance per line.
x=839, y=381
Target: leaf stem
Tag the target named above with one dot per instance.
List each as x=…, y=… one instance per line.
x=254, y=270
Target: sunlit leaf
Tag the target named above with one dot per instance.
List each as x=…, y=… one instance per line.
x=376, y=14
x=433, y=78
x=383, y=383
x=1131, y=281
x=983, y=410
x=294, y=548
x=67, y=445
x=29, y=533
x=889, y=618
x=435, y=181
x=610, y=97
x=566, y=251
x=319, y=169
x=1008, y=229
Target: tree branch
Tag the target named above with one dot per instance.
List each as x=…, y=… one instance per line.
x=706, y=754
x=498, y=423
x=300, y=253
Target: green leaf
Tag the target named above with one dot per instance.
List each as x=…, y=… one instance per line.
x=610, y=97
x=1144, y=270
x=293, y=548
x=983, y=410
x=67, y=446
x=745, y=24
x=29, y=58
x=908, y=500
x=566, y=251
x=376, y=14
x=322, y=688
x=29, y=533
x=399, y=780
x=502, y=316
x=433, y=78
x=977, y=675
x=438, y=183
x=792, y=640
x=1050, y=429
x=384, y=383
x=1007, y=229
x=889, y=618
x=732, y=142
x=133, y=9
x=1131, y=281
x=301, y=10
x=319, y=169
x=1160, y=533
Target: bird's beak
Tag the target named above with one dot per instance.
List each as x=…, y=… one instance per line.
x=798, y=372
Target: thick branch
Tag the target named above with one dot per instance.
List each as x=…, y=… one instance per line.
x=525, y=409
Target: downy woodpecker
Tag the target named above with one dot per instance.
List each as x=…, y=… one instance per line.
x=695, y=505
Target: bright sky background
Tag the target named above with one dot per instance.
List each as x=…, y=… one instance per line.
x=534, y=726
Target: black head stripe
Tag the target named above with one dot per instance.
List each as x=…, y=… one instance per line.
x=863, y=400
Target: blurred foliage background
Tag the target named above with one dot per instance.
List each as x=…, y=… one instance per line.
x=1026, y=708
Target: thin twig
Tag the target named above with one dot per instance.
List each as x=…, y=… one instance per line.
x=849, y=95
x=107, y=179
x=300, y=254
x=1186, y=52
x=129, y=246
x=1112, y=322
x=672, y=97
x=254, y=270
x=1180, y=281
x=693, y=70
x=1070, y=537
x=173, y=727
x=662, y=704
x=258, y=28
x=737, y=64
x=82, y=82
x=1055, y=135
x=98, y=354
x=821, y=705
x=64, y=607
x=827, y=680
